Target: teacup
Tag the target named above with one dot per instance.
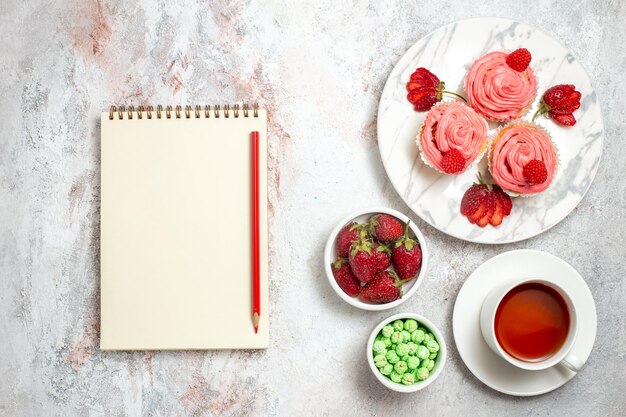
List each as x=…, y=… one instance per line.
x=531, y=323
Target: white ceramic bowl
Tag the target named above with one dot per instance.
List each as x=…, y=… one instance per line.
x=440, y=360
x=361, y=216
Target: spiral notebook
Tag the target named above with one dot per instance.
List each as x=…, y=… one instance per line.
x=175, y=239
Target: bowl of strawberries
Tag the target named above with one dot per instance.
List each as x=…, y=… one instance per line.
x=375, y=258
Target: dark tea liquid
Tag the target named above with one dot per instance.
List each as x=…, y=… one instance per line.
x=532, y=322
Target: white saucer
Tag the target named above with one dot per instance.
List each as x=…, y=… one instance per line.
x=488, y=367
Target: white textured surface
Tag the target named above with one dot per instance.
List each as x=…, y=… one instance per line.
x=319, y=67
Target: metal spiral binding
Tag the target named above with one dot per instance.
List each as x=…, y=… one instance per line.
x=187, y=112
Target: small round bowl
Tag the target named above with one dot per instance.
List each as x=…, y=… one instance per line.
x=440, y=361
x=361, y=216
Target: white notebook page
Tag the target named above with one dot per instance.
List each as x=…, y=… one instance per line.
x=176, y=233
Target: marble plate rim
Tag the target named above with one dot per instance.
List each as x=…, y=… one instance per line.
x=452, y=233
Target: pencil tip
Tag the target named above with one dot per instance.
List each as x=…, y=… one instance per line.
x=255, y=322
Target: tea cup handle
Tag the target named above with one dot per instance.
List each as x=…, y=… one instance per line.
x=572, y=362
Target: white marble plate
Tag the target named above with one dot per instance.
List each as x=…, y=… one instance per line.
x=449, y=52
x=486, y=365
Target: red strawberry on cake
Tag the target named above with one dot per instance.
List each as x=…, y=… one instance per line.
x=519, y=59
x=535, y=171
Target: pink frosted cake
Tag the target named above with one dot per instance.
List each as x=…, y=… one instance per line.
x=496, y=90
x=452, y=136
x=522, y=159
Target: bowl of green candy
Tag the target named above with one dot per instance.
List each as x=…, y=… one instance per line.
x=406, y=352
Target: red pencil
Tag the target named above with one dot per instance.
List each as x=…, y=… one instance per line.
x=256, y=267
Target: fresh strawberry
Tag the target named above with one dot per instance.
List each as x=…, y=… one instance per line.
x=421, y=77
x=535, y=172
x=485, y=204
x=423, y=98
x=473, y=198
x=498, y=213
x=425, y=89
x=345, y=278
x=366, y=258
x=384, y=288
x=519, y=59
x=385, y=228
x=480, y=212
x=560, y=102
x=406, y=256
x=491, y=208
x=562, y=99
x=383, y=256
x=348, y=234
x=507, y=204
x=453, y=161
x=564, y=119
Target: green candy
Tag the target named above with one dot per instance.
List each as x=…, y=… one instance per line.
x=422, y=352
x=402, y=349
x=405, y=351
x=410, y=325
x=387, y=369
x=380, y=360
x=421, y=373
x=396, y=377
x=379, y=347
x=400, y=367
x=392, y=357
x=432, y=346
x=408, y=378
x=398, y=325
x=418, y=336
x=413, y=363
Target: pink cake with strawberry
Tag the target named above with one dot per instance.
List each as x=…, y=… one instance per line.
x=452, y=137
x=501, y=86
x=522, y=158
